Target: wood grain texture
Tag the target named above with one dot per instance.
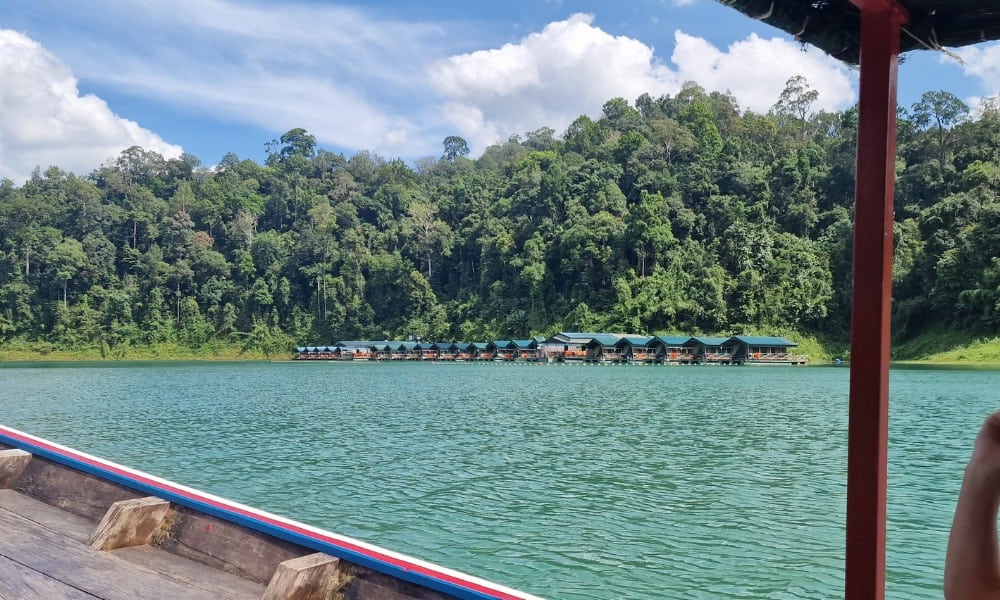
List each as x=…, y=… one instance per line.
x=228, y=546
x=100, y=574
x=18, y=582
x=129, y=523
x=310, y=577
x=12, y=464
x=78, y=529
x=73, y=491
x=370, y=585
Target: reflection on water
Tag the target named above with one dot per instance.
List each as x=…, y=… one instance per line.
x=569, y=482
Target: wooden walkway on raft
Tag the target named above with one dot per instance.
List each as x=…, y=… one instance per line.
x=72, y=533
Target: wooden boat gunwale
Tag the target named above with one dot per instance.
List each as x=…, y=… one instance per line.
x=388, y=562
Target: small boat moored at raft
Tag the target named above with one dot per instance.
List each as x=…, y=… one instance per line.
x=76, y=526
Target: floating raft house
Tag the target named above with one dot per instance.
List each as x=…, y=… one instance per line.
x=572, y=347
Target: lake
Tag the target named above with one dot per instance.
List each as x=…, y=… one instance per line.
x=570, y=482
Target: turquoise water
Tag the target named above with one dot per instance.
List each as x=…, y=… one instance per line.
x=573, y=482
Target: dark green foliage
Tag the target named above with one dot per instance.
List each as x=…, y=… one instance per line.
x=681, y=214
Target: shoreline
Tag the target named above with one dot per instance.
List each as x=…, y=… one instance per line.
x=20, y=357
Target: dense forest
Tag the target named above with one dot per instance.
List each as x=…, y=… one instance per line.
x=676, y=214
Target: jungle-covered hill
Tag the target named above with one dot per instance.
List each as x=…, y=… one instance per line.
x=678, y=214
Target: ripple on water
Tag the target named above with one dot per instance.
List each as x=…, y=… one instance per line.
x=569, y=482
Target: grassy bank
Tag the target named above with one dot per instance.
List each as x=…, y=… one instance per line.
x=949, y=347
x=23, y=351
x=938, y=347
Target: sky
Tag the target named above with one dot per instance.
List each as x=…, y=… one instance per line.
x=82, y=81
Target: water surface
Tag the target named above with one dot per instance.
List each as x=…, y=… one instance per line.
x=575, y=482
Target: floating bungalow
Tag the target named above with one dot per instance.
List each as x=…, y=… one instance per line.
x=602, y=349
x=671, y=349
x=569, y=346
x=573, y=347
x=709, y=350
x=754, y=350
x=482, y=351
x=635, y=350
x=525, y=350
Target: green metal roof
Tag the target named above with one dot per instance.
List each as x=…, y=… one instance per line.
x=573, y=337
x=672, y=340
x=605, y=339
x=523, y=344
x=634, y=340
x=709, y=341
x=763, y=340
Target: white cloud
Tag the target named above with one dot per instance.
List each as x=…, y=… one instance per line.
x=45, y=121
x=359, y=80
x=351, y=78
x=982, y=62
x=571, y=67
x=755, y=70
x=548, y=79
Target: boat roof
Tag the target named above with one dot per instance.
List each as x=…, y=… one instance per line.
x=834, y=26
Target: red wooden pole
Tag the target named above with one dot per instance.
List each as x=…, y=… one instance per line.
x=867, y=454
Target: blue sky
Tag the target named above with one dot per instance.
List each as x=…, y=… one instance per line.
x=80, y=81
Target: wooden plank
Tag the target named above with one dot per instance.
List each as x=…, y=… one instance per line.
x=12, y=464
x=370, y=585
x=76, y=528
x=311, y=577
x=184, y=570
x=228, y=546
x=75, y=491
x=129, y=523
x=18, y=582
x=100, y=574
